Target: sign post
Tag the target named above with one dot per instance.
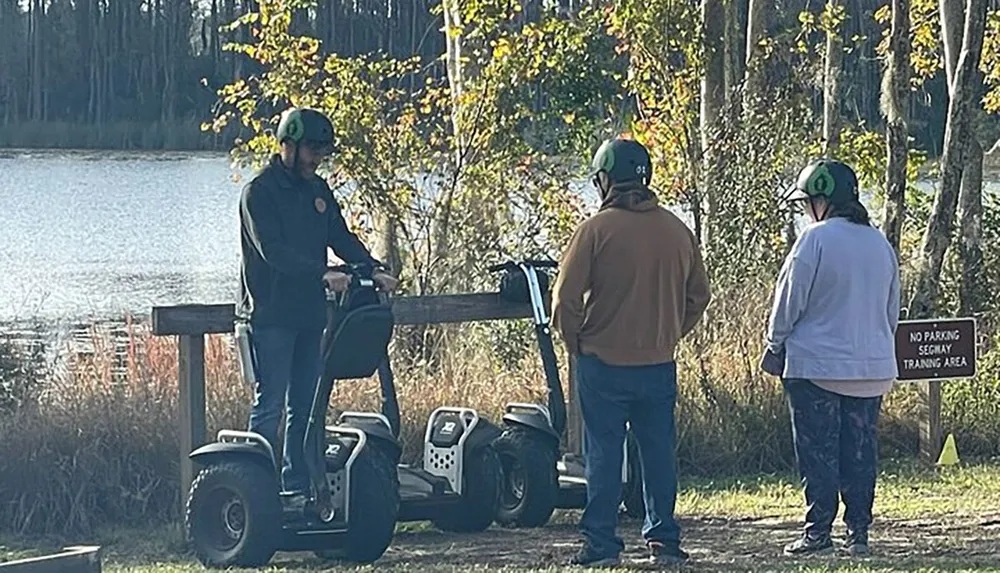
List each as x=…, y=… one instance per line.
x=928, y=351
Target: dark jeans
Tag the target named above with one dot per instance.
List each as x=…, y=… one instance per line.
x=287, y=369
x=836, y=447
x=643, y=396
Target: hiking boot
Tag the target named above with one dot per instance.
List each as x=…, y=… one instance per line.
x=807, y=545
x=588, y=558
x=856, y=544
x=294, y=505
x=665, y=553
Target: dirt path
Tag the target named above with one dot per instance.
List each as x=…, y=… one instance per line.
x=715, y=544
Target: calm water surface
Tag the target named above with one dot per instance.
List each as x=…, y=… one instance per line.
x=95, y=235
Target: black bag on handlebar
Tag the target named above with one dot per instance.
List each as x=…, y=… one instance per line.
x=357, y=334
x=514, y=285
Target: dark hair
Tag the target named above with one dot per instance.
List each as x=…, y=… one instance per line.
x=853, y=211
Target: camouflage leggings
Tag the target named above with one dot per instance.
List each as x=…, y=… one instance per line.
x=836, y=450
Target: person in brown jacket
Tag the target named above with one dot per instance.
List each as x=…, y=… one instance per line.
x=631, y=284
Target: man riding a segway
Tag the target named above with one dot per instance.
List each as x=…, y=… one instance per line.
x=289, y=218
x=300, y=326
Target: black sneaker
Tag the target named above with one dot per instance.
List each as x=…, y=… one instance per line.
x=807, y=545
x=665, y=553
x=587, y=557
x=856, y=544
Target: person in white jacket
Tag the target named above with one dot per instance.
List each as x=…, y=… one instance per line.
x=831, y=338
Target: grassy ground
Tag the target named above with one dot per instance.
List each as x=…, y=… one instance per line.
x=945, y=520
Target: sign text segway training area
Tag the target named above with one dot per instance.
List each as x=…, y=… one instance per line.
x=929, y=351
x=936, y=349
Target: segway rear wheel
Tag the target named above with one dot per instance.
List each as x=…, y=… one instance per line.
x=530, y=484
x=374, y=508
x=480, y=496
x=233, y=515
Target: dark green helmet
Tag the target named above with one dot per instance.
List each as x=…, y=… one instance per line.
x=306, y=126
x=827, y=178
x=623, y=160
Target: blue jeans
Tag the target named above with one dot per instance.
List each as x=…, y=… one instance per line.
x=644, y=396
x=287, y=371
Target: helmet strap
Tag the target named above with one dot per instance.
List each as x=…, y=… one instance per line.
x=817, y=216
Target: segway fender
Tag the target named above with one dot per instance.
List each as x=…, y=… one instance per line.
x=533, y=420
x=483, y=434
x=218, y=451
x=378, y=433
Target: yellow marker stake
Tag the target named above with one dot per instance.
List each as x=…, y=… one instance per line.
x=949, y=454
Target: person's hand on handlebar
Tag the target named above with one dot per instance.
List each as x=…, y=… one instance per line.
x=385, y=280
x=336, y=281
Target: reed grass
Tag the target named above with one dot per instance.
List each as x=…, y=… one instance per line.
x=96, y=443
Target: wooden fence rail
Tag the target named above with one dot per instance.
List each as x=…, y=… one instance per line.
x=77, y=559
x=191, y=322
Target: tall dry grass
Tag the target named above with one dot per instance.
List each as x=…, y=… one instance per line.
x=98, y=444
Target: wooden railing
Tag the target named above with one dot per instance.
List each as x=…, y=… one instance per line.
x=191, y=322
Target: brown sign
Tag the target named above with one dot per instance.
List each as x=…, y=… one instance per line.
x=936, y=349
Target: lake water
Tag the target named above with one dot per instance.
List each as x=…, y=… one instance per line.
x=95, y=235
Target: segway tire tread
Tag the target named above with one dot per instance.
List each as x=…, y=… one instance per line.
x=374, y=508
x=257, y=489
x=480, y=500
x=537, y=458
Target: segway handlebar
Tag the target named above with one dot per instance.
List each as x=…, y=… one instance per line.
x=536, y=263
x=361, y=274
x=360, y=270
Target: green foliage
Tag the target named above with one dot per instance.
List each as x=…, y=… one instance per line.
x=991, y=62
x=528, y=92
x=663, y=46
x=926, y=49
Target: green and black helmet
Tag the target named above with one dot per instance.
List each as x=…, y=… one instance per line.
x=309, y=127
x=623, y=160
x=826, y=178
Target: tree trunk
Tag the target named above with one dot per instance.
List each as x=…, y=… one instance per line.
x=970, y=249
x=456, y=85
x=756, y=31
x=713, y=99
x=831, y=83
x=734, y=43
x=896, y=104
x=970, y=210
x=937, y=236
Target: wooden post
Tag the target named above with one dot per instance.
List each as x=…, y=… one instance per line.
x=930, y=420
x=574, y=418
x=191, y=401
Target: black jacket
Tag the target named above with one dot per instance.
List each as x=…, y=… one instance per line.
x=286, y=225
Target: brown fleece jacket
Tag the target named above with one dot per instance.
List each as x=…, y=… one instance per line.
x=631, y=283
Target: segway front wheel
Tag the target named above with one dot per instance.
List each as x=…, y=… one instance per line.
x=480, y=496
x=233, y=515
x=530, y=484
x=374, y=508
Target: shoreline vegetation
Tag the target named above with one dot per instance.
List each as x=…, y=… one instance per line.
x=182, y=135
x=99, y=437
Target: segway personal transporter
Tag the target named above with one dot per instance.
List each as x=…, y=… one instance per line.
x=236, y=514
x=456, y=485
x=536, y=478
